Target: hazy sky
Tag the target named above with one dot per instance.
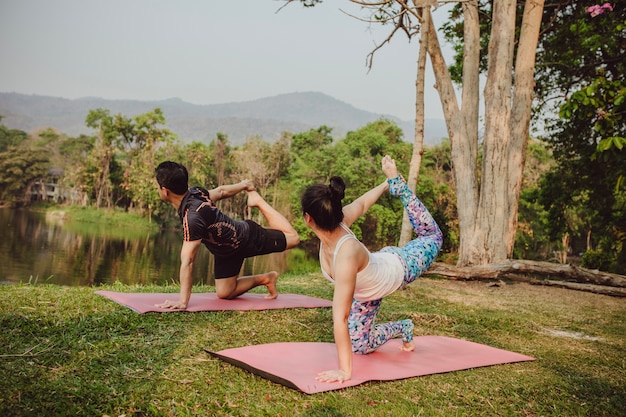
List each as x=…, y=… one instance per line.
x=206, y=52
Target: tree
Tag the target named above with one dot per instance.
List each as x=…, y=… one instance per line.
x=135, y=141
x=10, y=137
x=533, y=238
x=221, y=150
x=101, y=157
x=141, y=137
x=487, y=197
x=580, y=102
x=75, y=152
x=21, y=168
x=580, y=80
x=310, y=155
x=311, y=159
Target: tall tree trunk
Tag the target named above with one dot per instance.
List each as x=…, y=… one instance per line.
x=520, y=112
x=220, y=156
x=470, y=106
x=418, y=143
x=463, y=144
x=102, y=181
x=488, y=245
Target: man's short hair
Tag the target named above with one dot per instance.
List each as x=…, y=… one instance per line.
x=172, y=176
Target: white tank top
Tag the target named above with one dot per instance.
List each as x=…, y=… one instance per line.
x=382, y=275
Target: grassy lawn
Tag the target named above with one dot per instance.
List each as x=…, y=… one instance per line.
x=68, y=351
x=101, y=222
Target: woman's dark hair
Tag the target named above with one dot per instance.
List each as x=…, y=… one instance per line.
x=323, y=203
x=172, y=176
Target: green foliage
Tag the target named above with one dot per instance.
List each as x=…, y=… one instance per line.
x=453, y=32
x=200, y=162
x=314, y=139
x=90, y=221
x=580, y=70
x=10, y=138
x=47, y=137
x=356, y=158
x=300, y=263
x=535, y=235
x=533, y=239
x=75, y=149
x=120, y=167
x=602, y=104
x=20, y=169
x=20, y=166
x=596, y=259
x=585, y=59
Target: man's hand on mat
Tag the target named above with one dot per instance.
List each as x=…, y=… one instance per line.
x=336, y=375
x=174, y=305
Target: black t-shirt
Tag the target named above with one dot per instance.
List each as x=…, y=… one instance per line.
x=202, y=220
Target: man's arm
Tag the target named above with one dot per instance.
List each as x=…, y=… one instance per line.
x=187, y=257
x=226, y=191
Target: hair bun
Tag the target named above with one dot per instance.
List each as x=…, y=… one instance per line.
x=337, y=188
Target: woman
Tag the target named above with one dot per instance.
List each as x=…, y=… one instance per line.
x=363, y=278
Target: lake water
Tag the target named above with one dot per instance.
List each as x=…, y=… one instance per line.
x=34, y=249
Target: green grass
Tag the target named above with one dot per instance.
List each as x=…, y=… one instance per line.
x=101, y=222
x=69, y=352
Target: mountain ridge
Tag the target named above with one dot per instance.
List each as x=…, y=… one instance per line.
x=266, y=117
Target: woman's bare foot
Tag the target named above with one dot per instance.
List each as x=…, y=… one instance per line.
x=254, y=199
x=407, y=336
x=272, y=278
x=408, y=347
x=389, y=167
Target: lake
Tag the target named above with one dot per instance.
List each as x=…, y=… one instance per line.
x=39, y=250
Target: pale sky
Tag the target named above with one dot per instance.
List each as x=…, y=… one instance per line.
x=207, y=52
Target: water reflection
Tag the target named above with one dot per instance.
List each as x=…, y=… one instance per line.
x=35, y=249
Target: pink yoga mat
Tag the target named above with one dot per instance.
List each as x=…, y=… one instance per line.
x=296, y=364
x=145, y=302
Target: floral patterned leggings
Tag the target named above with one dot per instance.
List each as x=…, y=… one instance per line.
x=417, y=255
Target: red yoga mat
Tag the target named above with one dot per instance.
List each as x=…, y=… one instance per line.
x=296, y=364
x=146, y=302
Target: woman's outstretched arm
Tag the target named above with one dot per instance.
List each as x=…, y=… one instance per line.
x=358, y=207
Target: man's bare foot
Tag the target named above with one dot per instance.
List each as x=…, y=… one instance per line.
x=254, y=199
x=272, y=278
x=389, y=167
x=408, y=347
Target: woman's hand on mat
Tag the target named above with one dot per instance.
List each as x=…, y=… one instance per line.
x=336, y=375
x=174, y=305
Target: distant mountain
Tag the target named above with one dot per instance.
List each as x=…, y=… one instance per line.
x=265, y=117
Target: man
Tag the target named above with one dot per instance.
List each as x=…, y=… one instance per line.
x=229, y=240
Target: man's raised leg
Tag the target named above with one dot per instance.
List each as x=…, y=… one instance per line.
x=274, y=218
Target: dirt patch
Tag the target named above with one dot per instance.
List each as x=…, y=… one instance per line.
x=571, y=335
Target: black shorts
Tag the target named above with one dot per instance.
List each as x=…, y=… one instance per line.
x=260, y=241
